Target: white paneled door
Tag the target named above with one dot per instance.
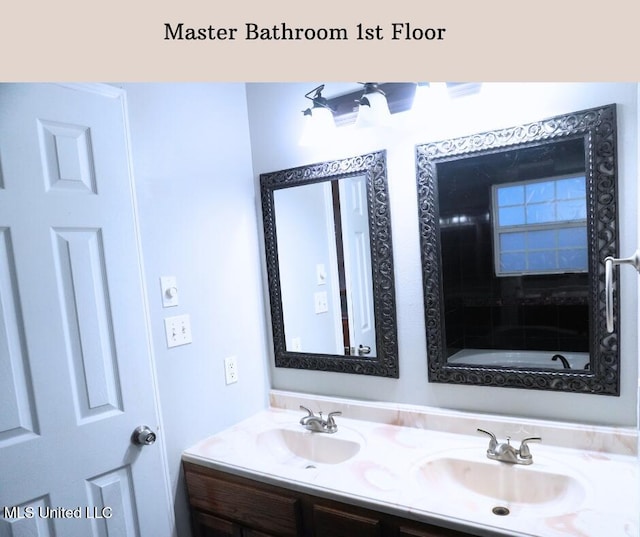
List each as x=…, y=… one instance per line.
x=75, y=372
x=357, y=261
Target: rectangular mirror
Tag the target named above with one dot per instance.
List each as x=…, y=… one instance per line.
x=515, y=225
x=330, y=266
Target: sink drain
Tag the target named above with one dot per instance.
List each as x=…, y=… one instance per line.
x=500, y=510
x=309, y=467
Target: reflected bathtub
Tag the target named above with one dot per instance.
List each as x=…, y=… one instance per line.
x=520, y=359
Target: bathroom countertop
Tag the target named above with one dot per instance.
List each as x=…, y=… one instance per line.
x=384, y=474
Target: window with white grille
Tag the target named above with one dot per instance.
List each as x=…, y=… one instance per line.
x=540, y=226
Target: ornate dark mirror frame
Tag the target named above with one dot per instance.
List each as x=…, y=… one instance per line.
x=597, y=126
x=374, y=167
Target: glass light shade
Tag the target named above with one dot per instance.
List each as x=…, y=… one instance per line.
x=430, y=97
x=319, y=127
x=421, y=97
x=377, y=114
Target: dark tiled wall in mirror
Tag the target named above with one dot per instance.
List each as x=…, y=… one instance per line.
x=523, y=312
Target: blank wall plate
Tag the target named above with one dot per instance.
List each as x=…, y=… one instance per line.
x=178, y=330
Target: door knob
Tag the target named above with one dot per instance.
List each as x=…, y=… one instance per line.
x=143, y=436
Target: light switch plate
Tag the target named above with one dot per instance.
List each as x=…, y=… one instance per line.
x=178, y=330
x=169, y=288
x=320, y=302
x=296, y=344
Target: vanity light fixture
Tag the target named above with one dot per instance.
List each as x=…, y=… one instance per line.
x=373, y=109
x=346, y=106
x=375, y=103
x=319, y=118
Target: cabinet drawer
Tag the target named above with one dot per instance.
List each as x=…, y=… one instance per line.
x=330, y=522
x=425, y=530
x=209, y=526
x=274, y=513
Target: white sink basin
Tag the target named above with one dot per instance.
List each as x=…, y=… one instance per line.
x=288, y=446
x=469, y=477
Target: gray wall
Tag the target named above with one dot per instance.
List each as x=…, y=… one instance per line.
x=195, y=193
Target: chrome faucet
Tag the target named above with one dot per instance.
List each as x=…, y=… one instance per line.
x=317, y=423
x=505, y=452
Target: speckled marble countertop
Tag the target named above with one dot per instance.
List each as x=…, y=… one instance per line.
x=397, y=441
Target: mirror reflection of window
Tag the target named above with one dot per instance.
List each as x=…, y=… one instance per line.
x=514, y=250
x=540, y=226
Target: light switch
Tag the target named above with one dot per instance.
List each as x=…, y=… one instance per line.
x=320, y=301
x=321, y=274
x=178, y=330
x=169, y=287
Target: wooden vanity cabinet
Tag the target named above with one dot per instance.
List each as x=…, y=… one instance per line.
x=227, y=505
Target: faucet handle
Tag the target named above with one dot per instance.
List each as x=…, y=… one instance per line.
x=331, y=423
x=493, y=443
x=524, y=446
x=305, y=418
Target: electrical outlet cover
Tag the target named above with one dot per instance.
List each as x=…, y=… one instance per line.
x=230, y=370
